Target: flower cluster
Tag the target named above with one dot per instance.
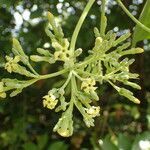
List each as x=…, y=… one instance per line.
x=91, y=113
x=88, y=85
x=106, y=62
x=12, y=64
x=59, y=43
x=50, y=100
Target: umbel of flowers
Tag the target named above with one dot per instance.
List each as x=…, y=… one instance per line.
x=106, y=62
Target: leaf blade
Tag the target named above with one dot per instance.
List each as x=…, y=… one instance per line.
x=140, y=34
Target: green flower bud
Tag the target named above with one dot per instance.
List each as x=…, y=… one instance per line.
x=51, y=20
x=43, y=52
x=122, y=38
x=132, y=51
x=60, y=31
x=126, y=93
x=63, y=105
x=122, y=47
x=18, y=51
x=49, y=33
x=98, y=43
x=96, y=32
x=78, y=52
x=66, y=43
x=37, y=58
x=57, y=46
x=94, y=95
x=11, y=63
x=18, y=47
x=16, y=92
x=134, y=85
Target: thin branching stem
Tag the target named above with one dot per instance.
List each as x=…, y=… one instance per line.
x=132, y=17
x=103, y=20
x=79, y=24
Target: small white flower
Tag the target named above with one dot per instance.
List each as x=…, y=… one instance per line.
x=50, y=101
x=12, y=63
x=93, y=111
x=88, y=85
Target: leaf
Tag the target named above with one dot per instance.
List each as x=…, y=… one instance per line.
x=29, y=146
x=124, y=142
x=42, y=141
x=58, y=146
x=142, y=142
x=139, y=33
x=108, y=145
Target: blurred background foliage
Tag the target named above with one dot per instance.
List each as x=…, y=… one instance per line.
x=25, y=124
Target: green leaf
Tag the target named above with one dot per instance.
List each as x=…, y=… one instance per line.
x=108, y=145
x=142, y=142
x=58, y=146
x=36, y=13
x=124, y=142
x=29, y=146
x=139, y=33
x=42, y=141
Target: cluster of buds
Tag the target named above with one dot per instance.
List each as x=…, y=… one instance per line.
x=91, y=113
x=88, y=85
x=62, y=53
x=59, y=43
x=50, y=100
x=12, y=64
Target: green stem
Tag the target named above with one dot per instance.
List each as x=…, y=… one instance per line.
x=132, y=17
x=80, y=78
x=103, y=19
x=32, y=69
x=86, y=62
x=53, y=74
x=67, y=81
x=42, y=77
x=79, y=24
x=73, y=90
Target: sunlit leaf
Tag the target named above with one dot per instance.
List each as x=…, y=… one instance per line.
x=139, y=33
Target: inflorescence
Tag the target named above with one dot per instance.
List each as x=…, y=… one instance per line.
x=106, y=62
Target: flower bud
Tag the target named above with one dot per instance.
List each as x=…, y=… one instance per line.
x=50, y=101
x=93, y=111
x=43, y=52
